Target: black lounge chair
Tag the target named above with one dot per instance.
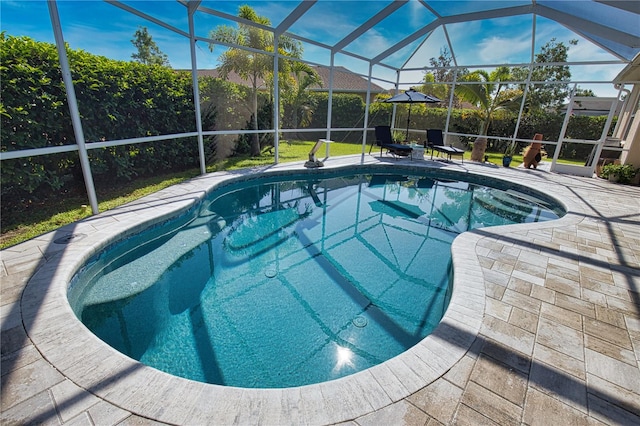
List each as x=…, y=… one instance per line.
x=435, y=142
x=385, y=141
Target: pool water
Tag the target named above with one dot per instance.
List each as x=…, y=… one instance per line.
x=290, y=282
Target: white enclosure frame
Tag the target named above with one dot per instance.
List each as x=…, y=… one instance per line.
x=590, y=30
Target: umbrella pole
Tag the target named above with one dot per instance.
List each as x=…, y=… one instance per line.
x=406, y=136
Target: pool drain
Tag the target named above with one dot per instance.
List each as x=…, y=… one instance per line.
x=360, y=322
x=270, y=272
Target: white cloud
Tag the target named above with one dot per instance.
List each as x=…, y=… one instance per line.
x=495, y=49
x=587, y=51
x=370, y=43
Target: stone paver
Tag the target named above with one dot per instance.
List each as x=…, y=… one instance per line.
x=551, y=337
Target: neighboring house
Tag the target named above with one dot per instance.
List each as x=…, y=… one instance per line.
x=344, y=81
x=592, y=106
x=232, y=77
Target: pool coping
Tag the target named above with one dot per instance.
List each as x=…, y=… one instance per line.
x=94, y=366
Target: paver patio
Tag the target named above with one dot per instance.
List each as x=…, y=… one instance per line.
x=557, y=339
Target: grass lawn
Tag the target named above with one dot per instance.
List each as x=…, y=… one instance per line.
x=53, y=214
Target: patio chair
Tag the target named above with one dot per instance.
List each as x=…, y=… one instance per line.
x=435, y=142
x=385, y=141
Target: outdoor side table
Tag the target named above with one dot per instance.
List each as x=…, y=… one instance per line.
x=418, y=152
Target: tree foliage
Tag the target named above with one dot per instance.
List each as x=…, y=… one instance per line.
x=148, y=52
x=442, y=66
x=547, y=91
x=442, y=73
x=116, y=100
x=439, y=90
x=120, y=100
x=490, y=95
x=550, y=95
x=251, y=65
x=295, y=93
x=584, y=92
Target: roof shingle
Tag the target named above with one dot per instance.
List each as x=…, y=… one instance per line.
x=344, y=81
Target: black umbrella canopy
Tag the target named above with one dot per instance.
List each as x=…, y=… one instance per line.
x=412, y=96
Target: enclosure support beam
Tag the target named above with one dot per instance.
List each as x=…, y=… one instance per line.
x=629, y=110
x=631, y=154
x=394, y=110
x=455, y=79
x=193, y=6
x=276, y=99
x=450, y=108
x=73, y=106
x=563, y=130
x=605, y=132
x=525, y=92
x=366, y=114
x=330, y=101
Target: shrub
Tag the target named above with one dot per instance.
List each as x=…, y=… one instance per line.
x=116, y=100
x=120, y=100
x=624, y=172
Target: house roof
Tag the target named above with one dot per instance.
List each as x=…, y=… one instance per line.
x=233, y=77
x=344, y=81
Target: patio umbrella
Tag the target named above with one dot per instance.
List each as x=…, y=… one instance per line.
x=410, y=97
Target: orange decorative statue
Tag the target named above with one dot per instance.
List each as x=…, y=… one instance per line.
x=533, y=153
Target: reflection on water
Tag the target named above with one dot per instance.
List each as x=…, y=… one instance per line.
x=294, y=282
x=344, y=358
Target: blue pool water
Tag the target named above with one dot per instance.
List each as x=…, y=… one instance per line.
x=290, y=282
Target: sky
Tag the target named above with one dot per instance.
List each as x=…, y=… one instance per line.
x=103, y=29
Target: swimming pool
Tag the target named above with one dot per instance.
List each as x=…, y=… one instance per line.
x=284, y=283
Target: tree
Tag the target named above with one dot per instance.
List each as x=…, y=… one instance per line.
x=118, y=100
x=442, y=73
x=297, y=96
x=490, y=95
x=250, y=65
x=584, y=92
x=442, y=65
x=543, y=96
x=440, y=91
x=148, y=51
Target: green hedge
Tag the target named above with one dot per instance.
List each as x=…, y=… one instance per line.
x=549, y=123
x=119, y=100
x=116, y=99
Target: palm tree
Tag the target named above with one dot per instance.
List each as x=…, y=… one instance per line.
x=296, y=93
x=254, y=67
x=490, y=95
x=439, y=90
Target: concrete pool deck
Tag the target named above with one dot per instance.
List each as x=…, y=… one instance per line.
x=544, y=328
